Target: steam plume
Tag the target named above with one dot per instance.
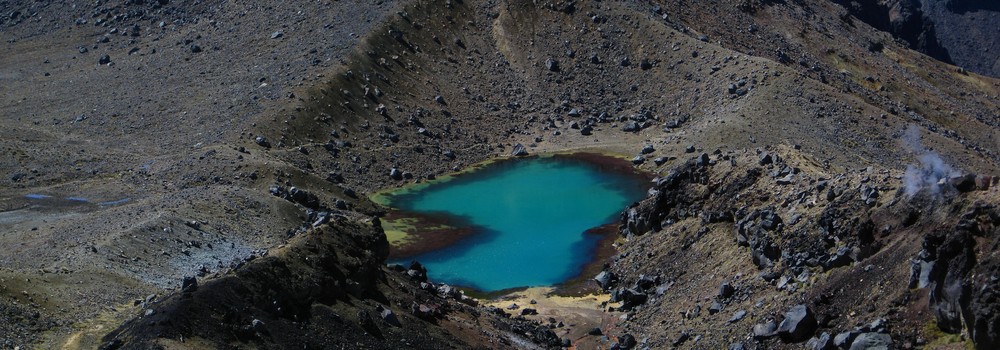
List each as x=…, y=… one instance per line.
x=931, y=170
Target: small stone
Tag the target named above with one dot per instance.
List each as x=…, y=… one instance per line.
x=395, y=174
x=552, y=65
x=257, y=325
x=726, y=290
x=689, y=149
x=703, y=160
x=519, y=151
x=648, y=149
x=715, y=308
x=195, y=48
x=277, y=34
x=104, y=59
x=389, y=317
x=739, y=315
x=261, y=141
x=765, y=330
x=638, y=160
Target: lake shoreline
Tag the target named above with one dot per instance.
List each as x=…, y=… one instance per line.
x=413, y=234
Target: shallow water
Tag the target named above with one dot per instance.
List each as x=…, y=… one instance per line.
x=529, y=218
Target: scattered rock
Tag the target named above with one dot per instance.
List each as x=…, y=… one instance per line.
x=104, y=60
x=277, y=34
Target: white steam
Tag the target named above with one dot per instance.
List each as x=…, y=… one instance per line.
x=930, y=172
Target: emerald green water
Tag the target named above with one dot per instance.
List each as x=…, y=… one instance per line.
x=530, y=217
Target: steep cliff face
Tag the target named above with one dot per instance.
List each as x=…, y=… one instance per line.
x=961, y=32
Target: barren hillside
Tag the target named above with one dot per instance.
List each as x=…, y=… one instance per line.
x=804, y=155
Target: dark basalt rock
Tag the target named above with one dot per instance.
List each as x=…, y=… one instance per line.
x=949, y=291
x=519, y=151
x=765, y=330
x=872, y=341
x=823, y=342
x=189, y=284
x=626, y=341
x=799, y=324
x=605, y=279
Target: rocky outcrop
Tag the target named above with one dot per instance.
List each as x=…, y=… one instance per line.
x=946, y=266
x=327, y=288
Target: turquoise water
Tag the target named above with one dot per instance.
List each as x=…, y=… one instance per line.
x=530, y=217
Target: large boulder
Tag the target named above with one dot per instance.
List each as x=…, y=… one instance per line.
x=799, y=324
x=605, y=279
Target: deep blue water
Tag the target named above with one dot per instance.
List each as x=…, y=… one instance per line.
x=531, y=216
